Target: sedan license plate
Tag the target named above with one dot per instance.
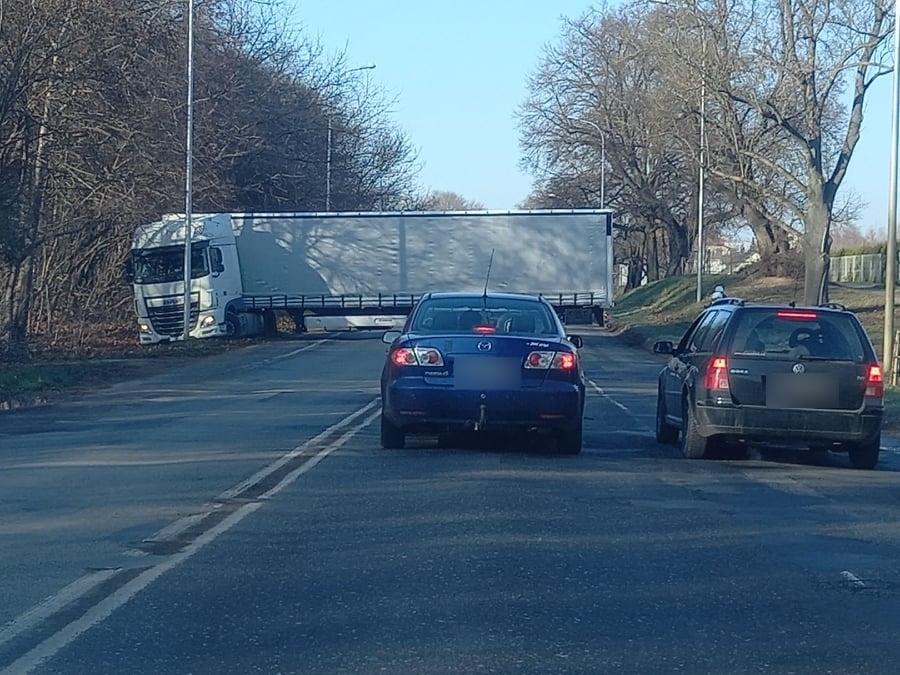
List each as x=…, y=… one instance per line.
x=806, y=390
x=486, y=373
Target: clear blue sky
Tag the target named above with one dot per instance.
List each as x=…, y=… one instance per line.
x=459, y=72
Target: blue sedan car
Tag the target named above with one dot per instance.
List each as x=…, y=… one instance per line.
x=469, y=361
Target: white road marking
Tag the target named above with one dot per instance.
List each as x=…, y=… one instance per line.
x=103, y=609
x=299, y=350
x=281, y=461
x=609, y=398
x=40, y=612
x=852, y=579
x=175, y=528
x=272, y=359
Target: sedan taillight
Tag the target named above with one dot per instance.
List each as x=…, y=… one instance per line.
x=417, y=356
x=550, y=361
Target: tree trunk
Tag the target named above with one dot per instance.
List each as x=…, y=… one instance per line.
x=816, y=243
x=635, y=273
x=652, y=256
x=14, y=335
x=772, y=242
x=678, y=249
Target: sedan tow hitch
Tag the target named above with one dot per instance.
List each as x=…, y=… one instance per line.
x=479, y=425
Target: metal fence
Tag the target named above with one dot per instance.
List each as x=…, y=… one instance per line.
x=864, y=269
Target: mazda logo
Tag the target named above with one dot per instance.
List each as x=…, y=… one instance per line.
x=484, y=346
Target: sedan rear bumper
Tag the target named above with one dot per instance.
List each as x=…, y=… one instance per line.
x=414, y=406
x=762, y=423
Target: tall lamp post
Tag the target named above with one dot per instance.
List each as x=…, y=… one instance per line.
x=189, y=171
x=369, y=66
x=602, y=136
x=693, y=5
x=887, y=356
x=700, y=186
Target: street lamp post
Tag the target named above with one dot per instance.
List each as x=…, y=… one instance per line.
x=189, y=172
x=602, y=136
x=328, y=168
x=693, y=5
x=330, y=135
x=700, y=186
x=887, y=356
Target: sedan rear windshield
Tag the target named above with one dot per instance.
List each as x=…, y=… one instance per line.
x=797, y=334
x=513, y=316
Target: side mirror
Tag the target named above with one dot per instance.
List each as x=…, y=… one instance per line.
x=128, y=272
x=663, y=347
x=576, y=340
x=390, y=336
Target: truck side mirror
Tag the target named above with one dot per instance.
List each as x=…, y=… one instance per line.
x=128, y=271
x=215, y=259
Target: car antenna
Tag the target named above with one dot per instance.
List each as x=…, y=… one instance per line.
x=487, y=278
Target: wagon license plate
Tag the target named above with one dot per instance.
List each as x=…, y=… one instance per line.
x=806, y=390
x=486, y=373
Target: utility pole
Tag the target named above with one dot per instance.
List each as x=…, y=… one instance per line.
x=189, y=172
x=329, y=146
x=890, y=275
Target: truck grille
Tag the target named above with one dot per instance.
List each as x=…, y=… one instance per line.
x=168, y=319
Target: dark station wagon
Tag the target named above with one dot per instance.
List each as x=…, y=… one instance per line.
x=805, y=377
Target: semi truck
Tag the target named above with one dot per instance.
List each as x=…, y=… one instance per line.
x=359, y=269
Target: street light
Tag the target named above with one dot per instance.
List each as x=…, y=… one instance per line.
x=693, y=4
x=602, y=136
x=369, y=66
x=887, y=356
x=189, y=172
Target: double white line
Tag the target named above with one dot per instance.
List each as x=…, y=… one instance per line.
x=83, y=587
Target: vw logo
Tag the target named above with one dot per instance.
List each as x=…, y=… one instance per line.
x=799, y=368
x=484, y=346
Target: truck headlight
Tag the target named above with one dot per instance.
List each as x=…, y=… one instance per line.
x=207, y=321
x=145, y=328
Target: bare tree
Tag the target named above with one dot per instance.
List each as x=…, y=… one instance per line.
x=447, y=200
x=92, y=142
x=789, y=65
x=770, y=81
x=602, y=92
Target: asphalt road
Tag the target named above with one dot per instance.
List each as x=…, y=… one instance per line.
x=239, y=516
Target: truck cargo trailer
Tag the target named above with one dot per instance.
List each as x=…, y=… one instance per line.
x=359, y=269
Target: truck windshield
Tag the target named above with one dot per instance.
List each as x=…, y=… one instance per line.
x=162, y=265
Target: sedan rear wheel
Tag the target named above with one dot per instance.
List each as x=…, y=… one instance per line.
x=865, y=455
x=568, y=441
x=693, y=445
x=392, y=436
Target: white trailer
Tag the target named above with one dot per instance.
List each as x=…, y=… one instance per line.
x=360, y=269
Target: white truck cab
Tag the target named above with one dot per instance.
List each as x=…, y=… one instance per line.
x=156, y=270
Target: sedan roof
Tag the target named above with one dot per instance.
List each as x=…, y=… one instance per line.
x=476, y=295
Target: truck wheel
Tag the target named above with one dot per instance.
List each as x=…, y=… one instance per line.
x=865, y=455
x=569, y=441
x=392, y=437
x=665, y=432
x=693, y=445
x=270, y=323
x=233, y=321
